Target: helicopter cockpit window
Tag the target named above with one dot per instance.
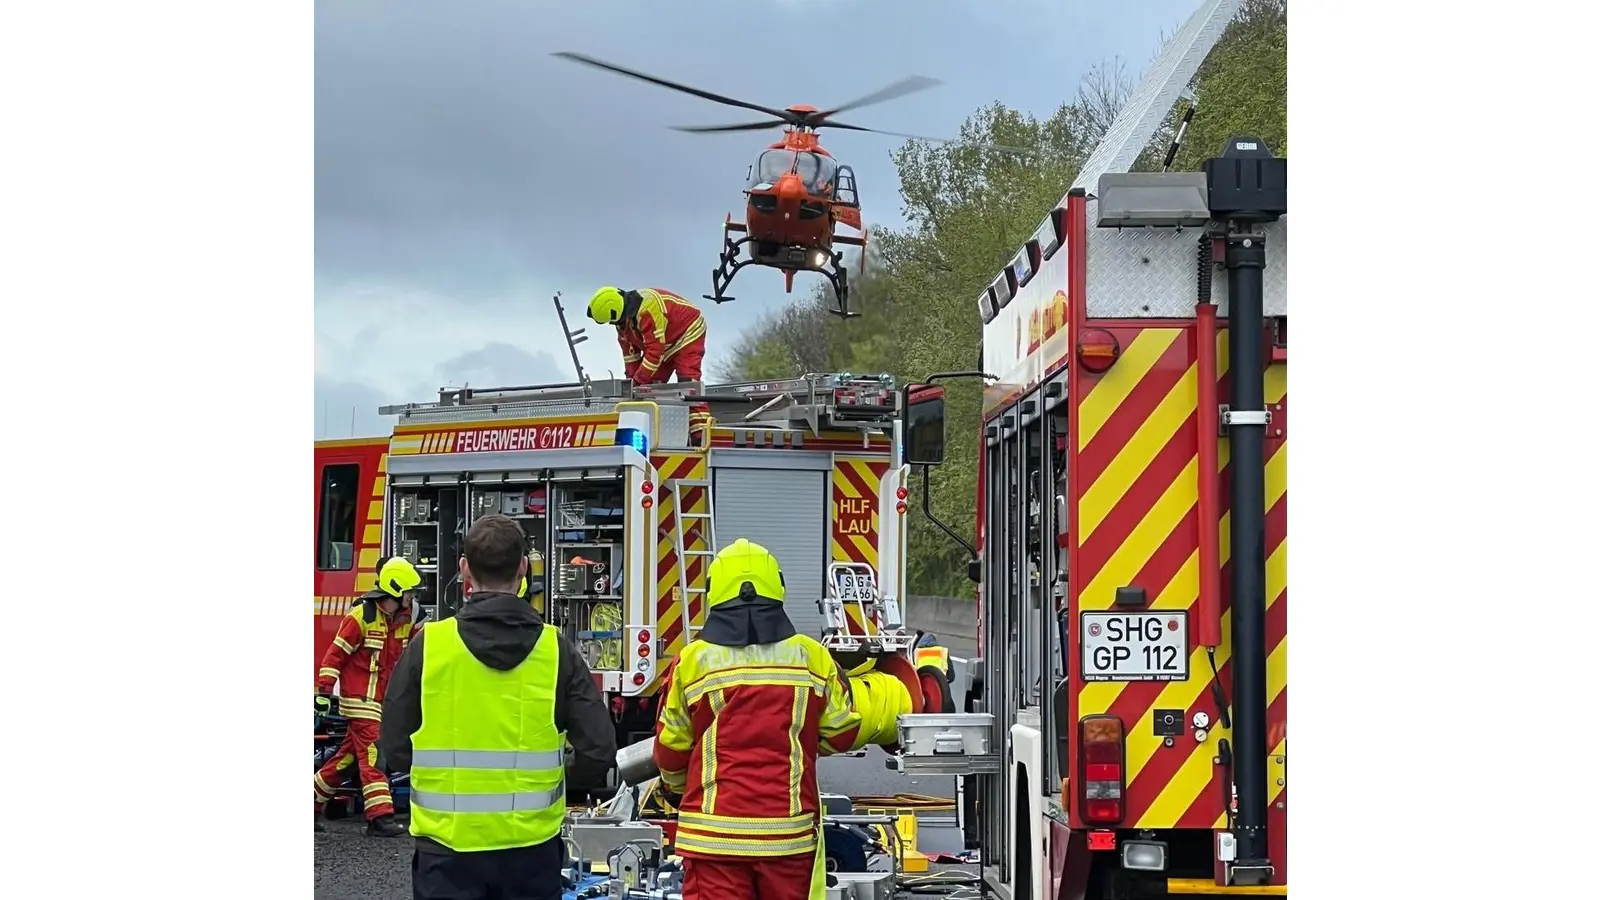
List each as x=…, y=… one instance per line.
x=815, y=170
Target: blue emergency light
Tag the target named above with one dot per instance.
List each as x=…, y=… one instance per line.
x=633, y=430
x=635, y=438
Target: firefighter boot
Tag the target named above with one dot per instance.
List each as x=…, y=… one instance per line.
x=385, y=826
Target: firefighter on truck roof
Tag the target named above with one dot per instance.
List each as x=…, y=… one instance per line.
x=363, y=653
x=660, y=333
x=749, y=706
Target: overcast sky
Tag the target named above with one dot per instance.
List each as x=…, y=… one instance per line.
x=463, y=175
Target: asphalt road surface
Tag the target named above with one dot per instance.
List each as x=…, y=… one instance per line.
x=352, y=866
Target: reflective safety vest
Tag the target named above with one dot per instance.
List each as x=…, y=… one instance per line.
x=938, y=657
x=487, y=766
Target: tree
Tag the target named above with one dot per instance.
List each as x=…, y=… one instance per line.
x=1242, y=87
x=970, y=204
x=805, y=337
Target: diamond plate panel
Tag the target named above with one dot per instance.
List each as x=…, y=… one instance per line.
x=674, y=427
x=1152, y=273
x=1274, y=282
x=1140, y=273
x=1160, y=88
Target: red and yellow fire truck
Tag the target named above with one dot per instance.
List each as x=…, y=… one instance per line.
x=1131, y=540
x=1132, y=524
x=625, y=492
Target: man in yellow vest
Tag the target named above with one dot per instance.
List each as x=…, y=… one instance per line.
x=479, y=711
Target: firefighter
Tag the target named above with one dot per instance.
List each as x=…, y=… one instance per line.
x=660, y=333
x=478, y=712
x=930, y=653
x=749, y=707
x=362, y=654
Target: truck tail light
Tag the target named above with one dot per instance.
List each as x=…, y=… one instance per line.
x=1100, y=756
x=1097, y=350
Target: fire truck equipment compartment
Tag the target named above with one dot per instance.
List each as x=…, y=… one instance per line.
x=786, y=511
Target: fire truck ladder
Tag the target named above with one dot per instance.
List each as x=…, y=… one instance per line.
x=683, y=521
x=818, y=401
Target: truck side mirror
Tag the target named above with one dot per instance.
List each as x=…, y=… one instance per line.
x=922, y=416
x=974, y=571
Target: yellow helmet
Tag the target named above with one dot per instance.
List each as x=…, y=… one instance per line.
x=605, y=307
x=398, y=575
x=741, y=571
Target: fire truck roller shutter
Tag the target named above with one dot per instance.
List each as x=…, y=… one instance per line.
x=786, y=511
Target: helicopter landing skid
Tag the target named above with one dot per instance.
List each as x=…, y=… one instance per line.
x=730, y=264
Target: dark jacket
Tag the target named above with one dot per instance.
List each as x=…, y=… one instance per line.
x=500, y=631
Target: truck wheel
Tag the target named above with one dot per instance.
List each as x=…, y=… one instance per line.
x=935, y=690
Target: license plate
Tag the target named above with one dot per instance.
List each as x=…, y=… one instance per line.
x=1143, y=646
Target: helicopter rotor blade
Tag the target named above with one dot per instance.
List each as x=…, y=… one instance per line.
x=921, y=137
x=713, y=129
x=670, y=85
x=894, y=91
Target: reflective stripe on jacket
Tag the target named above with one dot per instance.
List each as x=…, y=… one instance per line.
x=664, y=324
x=486, y=765
x=363, y=653
x=938, y=657
x=739, y=734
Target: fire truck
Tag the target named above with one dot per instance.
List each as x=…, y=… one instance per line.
x=1131, y=526
x=625, y=493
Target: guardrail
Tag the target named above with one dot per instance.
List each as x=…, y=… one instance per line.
x=948, y=617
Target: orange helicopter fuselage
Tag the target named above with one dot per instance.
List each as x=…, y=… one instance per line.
x=790, y=210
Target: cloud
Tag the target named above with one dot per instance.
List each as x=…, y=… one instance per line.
x=501, y=365
x=349, y=409
x=463, y=175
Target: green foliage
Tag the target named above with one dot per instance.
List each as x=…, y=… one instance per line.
x=969, y=205
x=1243, y=86
x=805, y=337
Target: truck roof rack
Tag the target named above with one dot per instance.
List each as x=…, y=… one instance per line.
x=819, y=401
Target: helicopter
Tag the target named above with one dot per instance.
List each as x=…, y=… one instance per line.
x=796, y=191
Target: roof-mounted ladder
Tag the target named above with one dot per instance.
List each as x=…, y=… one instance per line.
x=817, y=401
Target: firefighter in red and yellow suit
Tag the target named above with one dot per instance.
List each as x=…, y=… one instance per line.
x=363, y=653
x=750, y=706
x=660, y=332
